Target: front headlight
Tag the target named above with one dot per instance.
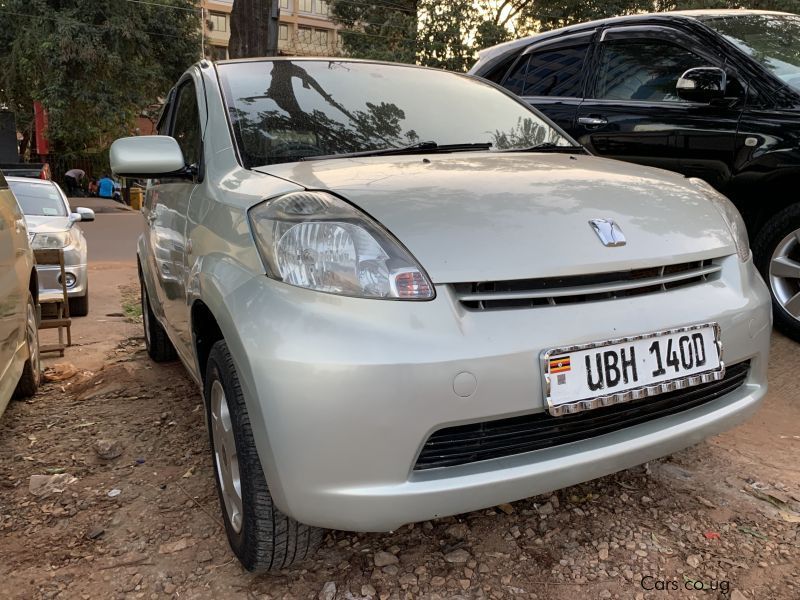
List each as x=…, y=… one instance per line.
x=49, y=241
x=315, y=240
x=731, y=216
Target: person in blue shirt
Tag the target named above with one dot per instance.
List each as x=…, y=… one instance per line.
x=105, y=187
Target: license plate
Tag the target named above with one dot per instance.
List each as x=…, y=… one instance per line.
x=588, y=376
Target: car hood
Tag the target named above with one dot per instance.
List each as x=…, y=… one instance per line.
x=479, y=217
x=38, y=224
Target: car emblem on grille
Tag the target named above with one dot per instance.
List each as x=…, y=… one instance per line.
x=608, y=232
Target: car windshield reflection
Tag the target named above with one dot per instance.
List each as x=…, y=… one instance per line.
x=284, y=111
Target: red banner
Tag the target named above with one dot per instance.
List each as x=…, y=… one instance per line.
x=40, y=122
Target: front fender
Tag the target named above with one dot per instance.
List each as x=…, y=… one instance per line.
x=218, y=281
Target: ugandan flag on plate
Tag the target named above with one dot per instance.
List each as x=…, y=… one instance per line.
x=560, y=364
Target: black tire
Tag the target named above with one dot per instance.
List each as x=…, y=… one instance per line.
x=79, y=305
x=769, y=238
x=156, y=340
x=267, y=540
x=32, y=370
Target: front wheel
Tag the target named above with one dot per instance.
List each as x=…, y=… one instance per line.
x=32, y=370
x=777, y=254
x=261, y=536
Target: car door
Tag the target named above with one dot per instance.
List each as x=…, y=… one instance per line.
x=14, y=273
x=8, y=278
x=632, y=111
x=550, y=76
x=165, y=215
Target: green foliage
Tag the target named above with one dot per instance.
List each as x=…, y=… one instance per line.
x=380, y=30
x=543, y=15
x=95, y=65
x=441, y=39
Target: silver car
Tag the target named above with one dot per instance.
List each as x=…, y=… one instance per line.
x=20, y=370
x=405, y=294
x=52, y=224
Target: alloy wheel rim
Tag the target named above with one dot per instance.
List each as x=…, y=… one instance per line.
x=225, y=456
x=32, y=333
x=784, y=273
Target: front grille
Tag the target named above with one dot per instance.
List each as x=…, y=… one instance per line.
x=506, y=437
x=552, y=291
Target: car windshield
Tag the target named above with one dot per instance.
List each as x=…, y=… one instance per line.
x=38, y=199
x=771, y=39
x=283, y=111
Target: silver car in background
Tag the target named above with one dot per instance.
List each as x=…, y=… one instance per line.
x=405, y=294
x=52, y=224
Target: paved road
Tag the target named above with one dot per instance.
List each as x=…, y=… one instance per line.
x=112, y=236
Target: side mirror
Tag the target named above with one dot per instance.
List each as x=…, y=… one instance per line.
x=148, y=157
x=84, y=214
x=702, y=84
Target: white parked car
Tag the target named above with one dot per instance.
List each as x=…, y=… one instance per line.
x=52, y=224
x=405, y=294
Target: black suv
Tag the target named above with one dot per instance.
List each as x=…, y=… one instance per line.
x=710, y=94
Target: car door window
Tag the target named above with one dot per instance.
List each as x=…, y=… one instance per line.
x=549, y=72
x=643, y=70
x=186, y=124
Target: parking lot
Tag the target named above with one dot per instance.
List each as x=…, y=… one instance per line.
x=141, y=517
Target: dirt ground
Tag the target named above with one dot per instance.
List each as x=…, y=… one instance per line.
x=138, y=516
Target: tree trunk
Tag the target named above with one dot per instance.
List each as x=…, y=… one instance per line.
x=254, y=28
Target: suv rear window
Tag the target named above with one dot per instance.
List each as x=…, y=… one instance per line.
x=549, y=72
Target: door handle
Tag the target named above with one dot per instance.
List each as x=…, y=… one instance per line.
x=593, y=121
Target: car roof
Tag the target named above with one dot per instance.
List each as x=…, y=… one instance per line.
x=338, y=59
x=693, y=15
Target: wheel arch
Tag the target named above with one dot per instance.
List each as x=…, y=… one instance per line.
x=205, y=333
x=33, y=285
x=211, y=320
x=777, y=192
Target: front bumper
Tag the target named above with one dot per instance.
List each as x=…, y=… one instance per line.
x=50, y=284
x=344, y=392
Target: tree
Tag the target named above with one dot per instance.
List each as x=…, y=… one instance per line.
x=543, y=15
x=254, y=28
x=443, y=31
x=93, y=64
x=380, y=30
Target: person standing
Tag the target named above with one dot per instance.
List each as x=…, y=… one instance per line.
x=73, y=178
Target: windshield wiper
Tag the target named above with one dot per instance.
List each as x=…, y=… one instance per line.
x=546, y=147
x=418, y=148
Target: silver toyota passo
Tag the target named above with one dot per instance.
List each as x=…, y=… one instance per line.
x=53, y=225
x=406, y=294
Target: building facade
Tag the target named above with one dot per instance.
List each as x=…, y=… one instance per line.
x=305, y=28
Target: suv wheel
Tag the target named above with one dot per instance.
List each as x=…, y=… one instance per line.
x=261, y=536
x=32, y=371
x=158, y=345
x=777, y=253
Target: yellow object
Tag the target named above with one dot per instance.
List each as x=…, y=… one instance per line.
x=137, y=196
